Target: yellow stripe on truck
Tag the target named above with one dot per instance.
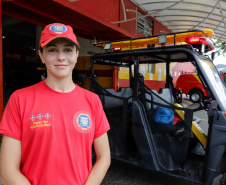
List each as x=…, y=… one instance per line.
x=196, y=129
x=197, y=78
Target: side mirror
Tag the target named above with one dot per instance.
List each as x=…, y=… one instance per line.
x=213, y=55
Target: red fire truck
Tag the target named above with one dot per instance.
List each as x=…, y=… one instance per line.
x=190, y=84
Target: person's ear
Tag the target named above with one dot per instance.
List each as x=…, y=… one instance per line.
x=41, y=56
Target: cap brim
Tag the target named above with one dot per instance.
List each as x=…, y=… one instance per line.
x=42, y=45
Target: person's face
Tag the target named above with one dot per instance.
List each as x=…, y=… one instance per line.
x=60, y=57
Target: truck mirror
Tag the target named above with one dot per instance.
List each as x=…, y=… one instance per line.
x=213, y=55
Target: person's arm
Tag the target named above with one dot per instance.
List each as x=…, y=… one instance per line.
x=10, y=162
x=103, y=160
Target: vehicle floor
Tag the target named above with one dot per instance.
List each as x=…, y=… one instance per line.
x=192, y=169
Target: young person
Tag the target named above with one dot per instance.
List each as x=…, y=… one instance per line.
x=49, y=128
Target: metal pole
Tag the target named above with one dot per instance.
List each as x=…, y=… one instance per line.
x=136, y=77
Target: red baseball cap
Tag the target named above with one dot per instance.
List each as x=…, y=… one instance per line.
x=57, y=30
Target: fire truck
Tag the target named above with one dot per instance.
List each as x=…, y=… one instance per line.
x=179, y=148
x=190, y=84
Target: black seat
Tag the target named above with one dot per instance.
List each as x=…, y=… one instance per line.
x=164, y=93
x=176, y=142
x=116, y=107
x=111, y=102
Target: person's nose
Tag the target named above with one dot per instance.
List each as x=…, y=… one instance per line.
x=61, y=56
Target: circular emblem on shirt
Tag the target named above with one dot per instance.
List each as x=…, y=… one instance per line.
x=82, y=122
x=58, y=28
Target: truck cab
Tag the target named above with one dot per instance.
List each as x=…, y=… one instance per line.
x=180, y=148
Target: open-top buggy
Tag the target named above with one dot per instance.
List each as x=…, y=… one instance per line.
x=179, y=149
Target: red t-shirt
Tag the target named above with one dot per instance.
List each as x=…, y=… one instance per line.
x=56, y=131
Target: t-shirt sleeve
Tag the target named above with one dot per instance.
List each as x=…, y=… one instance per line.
x=101, y=122
x=11, y=121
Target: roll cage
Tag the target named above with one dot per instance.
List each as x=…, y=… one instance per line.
x=134, y=136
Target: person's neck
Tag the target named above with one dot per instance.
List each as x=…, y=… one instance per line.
x=60, y=85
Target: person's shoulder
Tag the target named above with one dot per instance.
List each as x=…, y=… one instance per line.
x=26, y=90
x=87, y=92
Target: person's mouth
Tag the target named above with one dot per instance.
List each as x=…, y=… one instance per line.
x=61, y=65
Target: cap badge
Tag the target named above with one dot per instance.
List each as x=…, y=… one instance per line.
x=58, y=28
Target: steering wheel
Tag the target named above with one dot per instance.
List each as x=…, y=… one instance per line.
x=177, y=94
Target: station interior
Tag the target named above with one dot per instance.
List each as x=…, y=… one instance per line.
x=21, y=64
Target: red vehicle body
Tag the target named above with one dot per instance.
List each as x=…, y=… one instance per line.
x=223, y=75
x=190, y=84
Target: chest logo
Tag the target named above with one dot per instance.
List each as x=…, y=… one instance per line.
x=82, y=122
x=40, y=120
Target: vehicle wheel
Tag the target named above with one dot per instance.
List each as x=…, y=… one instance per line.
x=196, y=96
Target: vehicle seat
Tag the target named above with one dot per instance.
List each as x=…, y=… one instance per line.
x=111, y=102
x=116, y=107
x=164, y=93
x=173, y=136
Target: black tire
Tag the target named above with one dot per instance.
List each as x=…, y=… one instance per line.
x=196, y=96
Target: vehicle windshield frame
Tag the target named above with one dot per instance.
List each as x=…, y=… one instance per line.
x=211, y=78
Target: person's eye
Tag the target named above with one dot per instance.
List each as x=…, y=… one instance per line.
x=68, y=50
x=52, y=50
